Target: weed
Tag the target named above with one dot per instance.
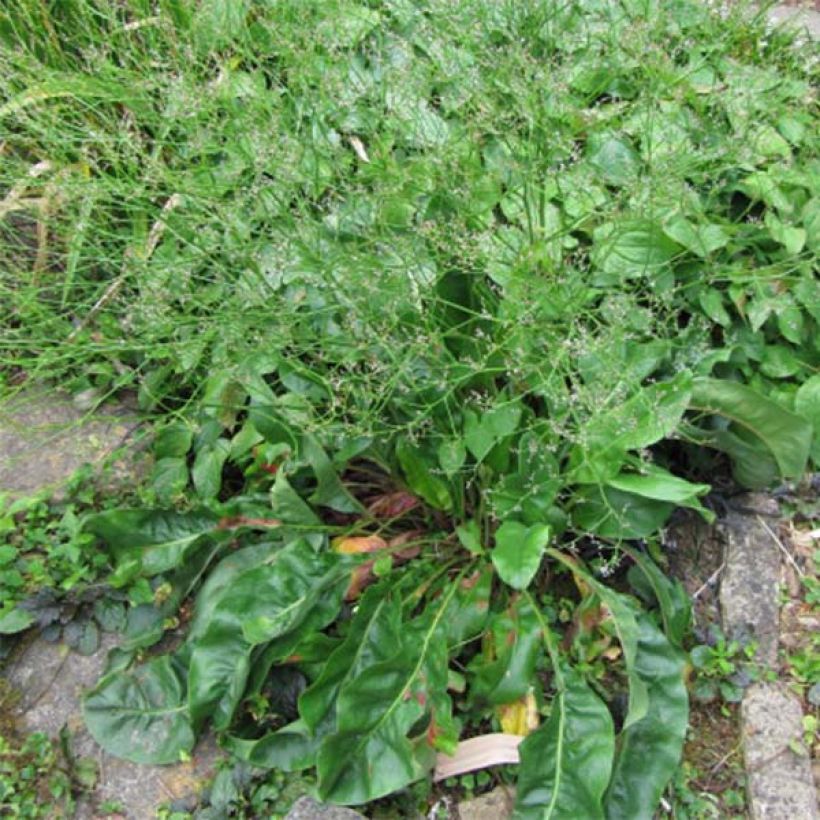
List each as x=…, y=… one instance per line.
x=438, y=306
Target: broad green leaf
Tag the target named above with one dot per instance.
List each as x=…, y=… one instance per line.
x=268, y=421
x=658, y=484
x=483, y=432
x=371, y=754
x=649, y=751
x=288, y=505
x=786, y=435
x=807, y=404
x=469, y=536
x=330, y=492
x=672, y=598
x=417, y=470
x=222, y=575
x=451, y=456
x=653, y=413
x=169, y=478
x=615, y=160
x=289, y=749
x=711, y=301
x=173, y=441
x=469, y=607
x=158, y=539
x=753, y=465
x=701, y=240
x=613, y=513
x=527, y=495
x=140, y=714
x=14, y=621
x=791, y=238
x=626, y=627
x=790, y=323
x=779, y=362
x=207, y=469
x=261, y=604
x=518, y=551
x=505, y=669
x=566, y=763
x=373, y=637
x=632, y=250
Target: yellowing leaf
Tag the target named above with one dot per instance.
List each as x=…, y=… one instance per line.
x=519, y=717
x=356, y=545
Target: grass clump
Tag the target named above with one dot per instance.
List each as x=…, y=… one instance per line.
x=443, y=310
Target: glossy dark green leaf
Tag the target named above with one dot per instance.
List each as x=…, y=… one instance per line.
x=672, y=598
x=288, y=505
x=807, y=404
x=653, y=413
x=614, y=159
x=505, y=669
x=623, y=611
x=158, y=539
x=418, y=471
x=269, y=422
x=636, y=249
x=612, y=513
x=14, y=621
x=169, y=477
x=660, y=485
x=566, y=763
x=469, y=607
x=787, y=436
x=207, y=469
x=701, y=240
x=373, y=637
x=289, y=749
x=330, y=492
x=173, y=441
x=483, y=432
x=518, y=551
x=649, y=751
x=451, y=456
x=469, y=536
x=140, y=714
x=260, y=604
x=372, y=753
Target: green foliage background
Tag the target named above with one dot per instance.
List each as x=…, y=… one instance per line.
x=543, y=266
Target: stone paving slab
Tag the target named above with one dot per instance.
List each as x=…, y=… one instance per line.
x=45, y=438
x=495, y=805
x=306, y=808
x=780, y=783
x=806, y=19
x=51, y=680
x=750, y=586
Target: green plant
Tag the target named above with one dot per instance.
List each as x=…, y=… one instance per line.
x=240, y=791
x=52, y=569
x=509, y=282
x=40, y=777
x=724, y=668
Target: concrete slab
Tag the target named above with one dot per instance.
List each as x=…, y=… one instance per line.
x=780, y=783
x=749, y=590
x=306, y=808
x=805, y=19
x=51, y=680
x=495, y=805
x=45, y=438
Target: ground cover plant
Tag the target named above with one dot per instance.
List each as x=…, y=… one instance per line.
x=442, y=310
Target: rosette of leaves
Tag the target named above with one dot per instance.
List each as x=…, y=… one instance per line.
x=330, y=627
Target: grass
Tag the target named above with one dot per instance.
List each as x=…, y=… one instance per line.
x=541, y=270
